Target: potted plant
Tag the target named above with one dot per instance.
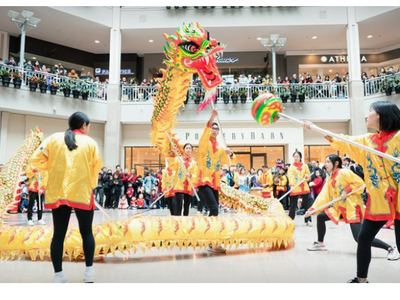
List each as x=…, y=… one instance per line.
x=33, y=83
x=302, y=92
x=285, y=94
x=85, y=88
x=235, y=97
x=255, y=94
x=5, y=77
x=396, y=83
x=42, y=85
x=199, y=97
x=388, y=84
x=293, y=92
x=225, y=96
x=53, y=87
x=65, y=86
x=75, y=89
x=243, y=96
x=17, y=79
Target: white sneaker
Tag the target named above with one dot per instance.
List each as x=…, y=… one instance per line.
x=60, y=278
x=309, y=224
x=41, y=222
x=89, y=275
x=393, y=254
x=317, y=247
x=217, y=249
x=30, y=223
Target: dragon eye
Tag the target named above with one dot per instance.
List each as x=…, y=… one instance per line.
x=190, y=47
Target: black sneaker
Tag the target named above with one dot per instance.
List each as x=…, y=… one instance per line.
x=355, y=280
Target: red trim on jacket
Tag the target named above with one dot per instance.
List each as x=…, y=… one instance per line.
x=66, y=202
x=380, y=138
x=214, y=144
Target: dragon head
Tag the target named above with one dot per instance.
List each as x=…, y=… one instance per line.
x=193, y=51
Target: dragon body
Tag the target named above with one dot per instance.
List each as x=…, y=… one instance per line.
x=190, y=51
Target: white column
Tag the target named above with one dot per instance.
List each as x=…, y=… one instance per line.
x=112, y=130
x=5, y=116
x=356, y=91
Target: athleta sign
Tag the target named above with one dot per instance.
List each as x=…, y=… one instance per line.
x=335, y=59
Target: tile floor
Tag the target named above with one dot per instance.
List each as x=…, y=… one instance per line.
x=295, y=265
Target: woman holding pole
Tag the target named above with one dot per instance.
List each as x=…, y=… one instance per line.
x=210, y=160
x=349, y=209
x=297, y=172
x=382, y=176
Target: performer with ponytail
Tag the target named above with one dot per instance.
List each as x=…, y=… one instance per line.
x=73, y=162
x=210, y=160
x=350, y=209
x=296, y=173
x=382, y=177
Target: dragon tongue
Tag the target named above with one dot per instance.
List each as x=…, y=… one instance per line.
x=209, y=75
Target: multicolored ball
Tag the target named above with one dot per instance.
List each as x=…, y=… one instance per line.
x=266, y=108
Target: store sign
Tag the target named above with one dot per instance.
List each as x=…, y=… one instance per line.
x=338, y=59
x=100, y=71
x=253, y=136
x=226, y=60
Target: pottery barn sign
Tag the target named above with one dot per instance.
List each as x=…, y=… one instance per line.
x=335, y=59
x=100, y=71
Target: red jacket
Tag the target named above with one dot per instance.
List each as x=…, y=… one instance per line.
x=318, y=185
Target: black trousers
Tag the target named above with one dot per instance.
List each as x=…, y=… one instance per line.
x=34, y=197
x=210, y=198
x=99, y=195
x=369, y=230
x=61, y=217
x=355, y=230
x=179, y=200
x=108, y=200
x=293, y=202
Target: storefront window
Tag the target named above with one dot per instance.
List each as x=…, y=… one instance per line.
x=318, y=153
x=249, y=157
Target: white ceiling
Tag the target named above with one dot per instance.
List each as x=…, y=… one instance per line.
x=69, y=30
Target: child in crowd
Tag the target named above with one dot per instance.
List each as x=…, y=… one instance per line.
x=123, y=204
x=23, y=207
x=133, y=203
x=141, y=203
x=130, y=192
x=153, y=198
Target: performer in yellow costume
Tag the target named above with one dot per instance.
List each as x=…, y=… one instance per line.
x=296, y=173
x=280, y=184
x=37, y=186
x=266, y=181
x=181, y=187
x=168, y=180
x=382, y=177
x=349, y=210
x=211, y=158
x=73, y=162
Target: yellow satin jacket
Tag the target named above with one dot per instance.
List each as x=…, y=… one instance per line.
x=72, y=175
x=296, y=173
x=382, y=176
x=211, y=158
x=34, y=178
x=352, y=208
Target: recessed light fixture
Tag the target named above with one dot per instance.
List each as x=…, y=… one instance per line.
x=314, y=37
x=97, y=41
x=370, y=36
x=330, y=71
x=150, y=41
x=258, y=39
x=34, y=57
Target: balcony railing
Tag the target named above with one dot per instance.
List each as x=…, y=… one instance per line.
x=95, y=90
x=235, y=92
x=384, y=84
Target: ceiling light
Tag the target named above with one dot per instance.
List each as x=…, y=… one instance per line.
x=258, y=39
x=97, y=41
x=34, y=57
x=330, y=71
x=314, y=37
x=370, y=36
x=150, y=41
